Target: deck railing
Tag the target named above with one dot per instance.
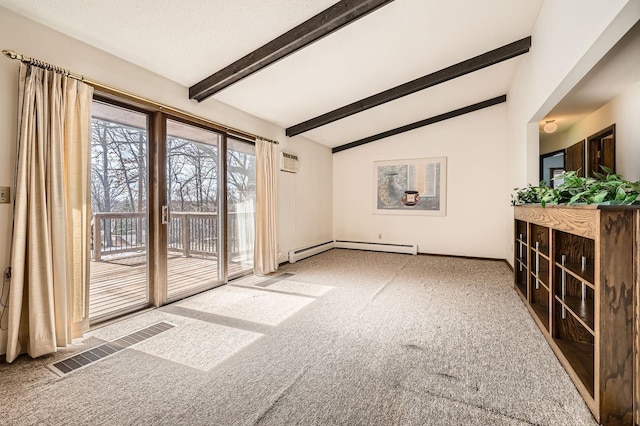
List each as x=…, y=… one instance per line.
x=115, y=233
x=188, y=233
x=193, y=233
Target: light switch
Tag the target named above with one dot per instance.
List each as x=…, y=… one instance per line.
x=5, y=194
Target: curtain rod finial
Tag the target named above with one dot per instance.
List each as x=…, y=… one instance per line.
x=10, y=54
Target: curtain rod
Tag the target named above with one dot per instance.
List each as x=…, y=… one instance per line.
x=114, y=91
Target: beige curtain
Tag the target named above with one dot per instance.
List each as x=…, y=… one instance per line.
x=265, y=255
x=50, y=252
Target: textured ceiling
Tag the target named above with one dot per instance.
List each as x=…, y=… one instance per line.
x=184, y=40
x=187, y=41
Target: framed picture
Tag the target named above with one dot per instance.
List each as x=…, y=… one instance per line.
x=410, y=187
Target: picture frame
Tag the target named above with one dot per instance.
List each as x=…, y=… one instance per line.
x=410, y=187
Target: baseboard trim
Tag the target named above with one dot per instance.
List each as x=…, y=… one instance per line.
x=337, y=245
x=383, y=247
x=304, y=252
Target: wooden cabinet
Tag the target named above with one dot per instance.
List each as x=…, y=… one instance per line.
x=575, y=269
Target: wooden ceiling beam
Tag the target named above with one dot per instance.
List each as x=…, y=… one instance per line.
x=422, y=123
x=324, y=23
x=454, y=71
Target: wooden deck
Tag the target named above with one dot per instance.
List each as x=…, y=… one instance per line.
x=120, y=285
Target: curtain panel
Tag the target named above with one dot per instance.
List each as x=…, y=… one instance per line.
x=265, y=258
x=50, y=246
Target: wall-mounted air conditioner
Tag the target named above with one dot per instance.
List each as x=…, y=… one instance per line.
x=289, y=162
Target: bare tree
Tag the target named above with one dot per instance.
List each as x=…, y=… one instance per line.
x=241, y=176
x=118, y=169
x=192, y=175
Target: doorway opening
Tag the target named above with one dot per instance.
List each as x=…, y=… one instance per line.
x=602, y=150
x=551, y=165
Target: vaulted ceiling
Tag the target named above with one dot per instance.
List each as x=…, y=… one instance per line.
x=400, y=41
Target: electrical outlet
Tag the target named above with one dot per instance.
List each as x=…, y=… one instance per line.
x=5, y=194
x=379, y=236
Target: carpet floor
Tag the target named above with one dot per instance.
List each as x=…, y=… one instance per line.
x=342, y=338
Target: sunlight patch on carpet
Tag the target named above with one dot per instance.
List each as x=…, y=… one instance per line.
x=306, y=289
x=199, y=344
x=248, y=304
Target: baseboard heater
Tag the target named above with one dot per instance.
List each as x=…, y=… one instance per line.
x=390, y=248
x=301, y=253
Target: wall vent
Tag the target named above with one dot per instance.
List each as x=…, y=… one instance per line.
x=289, y=162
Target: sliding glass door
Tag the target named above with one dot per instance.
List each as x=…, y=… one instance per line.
x=119, y=250
x=192, y=211
x=173, y=209
x=241, y=205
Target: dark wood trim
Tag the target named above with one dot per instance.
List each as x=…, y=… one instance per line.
x=422, y=123
x=195, y=123
x=636, y=315
x=143, y=106
x=324, y=23
x=454, y=71
x=124, y=103
x=547, y=155
x=223, y=213
x=611, y=130
x=157, y=198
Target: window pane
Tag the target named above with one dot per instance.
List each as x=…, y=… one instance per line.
x=241, y=201
x=192, y=197
x=118, y=272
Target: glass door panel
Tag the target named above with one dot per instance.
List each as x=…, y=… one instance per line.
x=193, y=246
x=119, y=257
x=241, y=205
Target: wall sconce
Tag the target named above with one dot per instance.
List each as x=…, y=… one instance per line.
x=550, y=126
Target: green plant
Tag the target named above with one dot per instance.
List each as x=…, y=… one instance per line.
x=602, y=188
x=530, y=194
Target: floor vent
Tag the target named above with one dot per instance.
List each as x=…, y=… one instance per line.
x=92, y=355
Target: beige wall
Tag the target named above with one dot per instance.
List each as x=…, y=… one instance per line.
x=475, y=147
x=304, y=199
x=556, y=141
